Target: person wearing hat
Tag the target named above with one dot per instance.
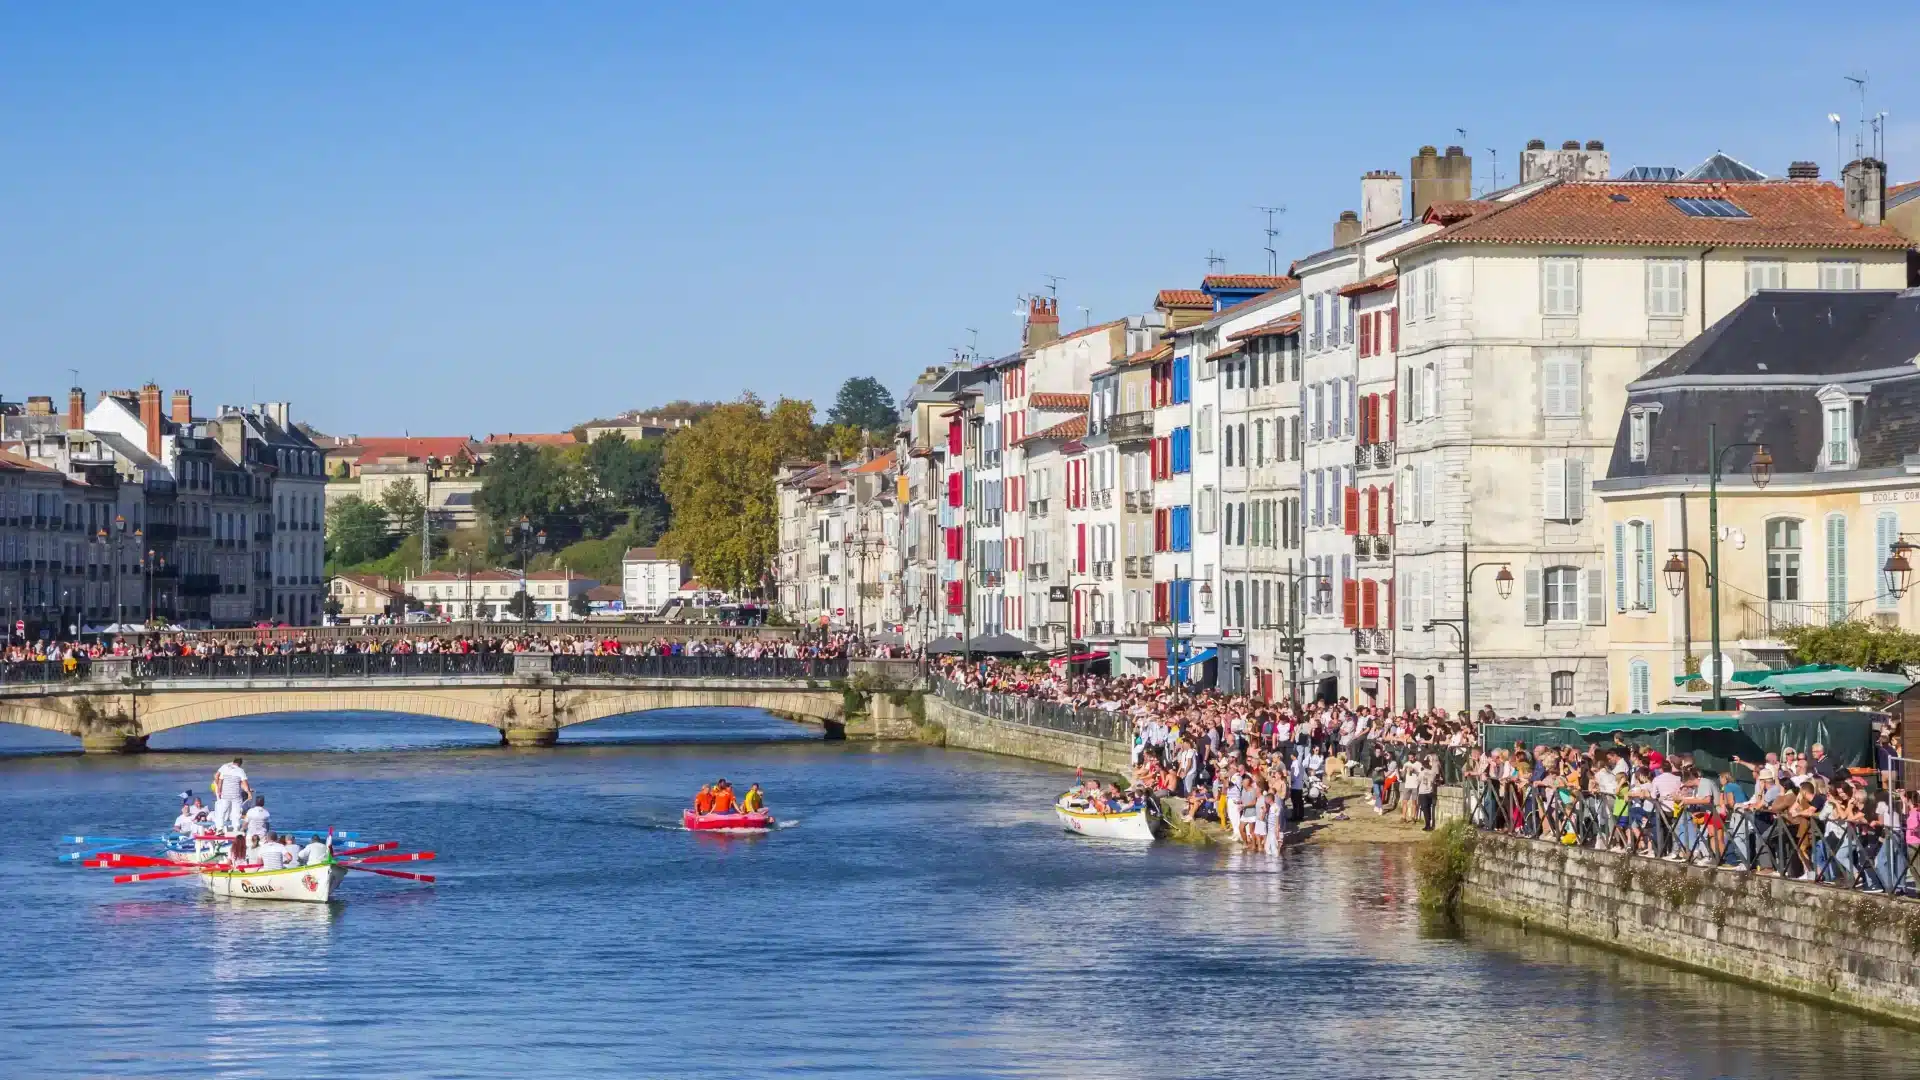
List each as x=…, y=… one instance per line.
x=185, y=824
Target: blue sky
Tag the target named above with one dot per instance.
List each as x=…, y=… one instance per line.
x=471, y=218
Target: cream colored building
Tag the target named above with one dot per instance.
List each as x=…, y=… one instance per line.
x=1830, y=386
x=1521, y=326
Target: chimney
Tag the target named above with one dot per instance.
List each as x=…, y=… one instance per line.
x=76, y=409
x=1865, y=184
x=1570, y=162
x=1440, y=179
x=1347, y=229
x=150, y=417
x=182, y=407
x=40, y=405
x=1043, y=321
x=1382, y=194
x=1803, y=170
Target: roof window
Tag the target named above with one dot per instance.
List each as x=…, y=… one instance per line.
x=1720, y=208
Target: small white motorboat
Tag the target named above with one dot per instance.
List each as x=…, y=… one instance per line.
x=1079, y=815
x=306, y=884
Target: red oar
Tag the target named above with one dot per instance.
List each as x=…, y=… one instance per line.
x=411, y=856
x=128, y=879
x=388, y=846
x=389, y=873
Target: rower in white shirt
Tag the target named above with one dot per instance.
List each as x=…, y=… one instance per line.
x=184, y=824
x=270, y=855
x=257, y=819
x=315, y=853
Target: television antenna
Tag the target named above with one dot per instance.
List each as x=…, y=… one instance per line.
x=1839, y=155
x=1273, y=233
x=1086, y=315
x=1053, y=285
x=973, y=350
x=1860, y=137
x=1493, y=168
x=1215, y=260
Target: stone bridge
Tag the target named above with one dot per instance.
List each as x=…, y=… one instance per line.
x=114, y=705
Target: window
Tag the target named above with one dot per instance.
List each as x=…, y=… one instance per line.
x=1560, y=286
x=1429, y=291
x=1562, y=682
x=1639, y=686
x=1836, y=567
x=1666, y=288
x=1561, y=592
x=1633, y=566
x=1783, y=560
x=1766, y=274
x=1886, y=532
x=1206, y=429
x=1639, y=423
x=1349, y=305
x=1563, y=487
x=1561, y=389
x=1319, y=320
x=1839, y=435
x=1429, y=392
x=1839, y=274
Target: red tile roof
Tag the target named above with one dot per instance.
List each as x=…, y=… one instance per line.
x=1145, y=356
x=877, y=465
x=1902, y=189
x=1385, y=279
x=23, y=464
x=1073, y=427
x=1183, y=298
x=1047, y=400
x=1782, y=214
x=1448, y=211
x=374, y=583
x=562, y=438
x=1280, y=327
x=1263, y=282
x=444, y=447
x=1227, y=350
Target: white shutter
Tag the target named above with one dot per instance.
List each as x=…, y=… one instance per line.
x=1619, y=566
x=1426, y=597
x=1576, y=489
x=1536, y=601
x=1553, y=489
x=1644, y=543
x=1593, y=587
x=1571, y=385
x=1836, y=567
x=1550, y=402
x=1427, y=507
x=1406, y=601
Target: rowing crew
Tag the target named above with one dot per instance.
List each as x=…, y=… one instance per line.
x=279, y=852
x=718, y=798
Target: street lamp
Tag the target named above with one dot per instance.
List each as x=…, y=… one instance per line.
x=1463, y=626
x=1760, y=468
x=1899, y=573
x=1322, y=592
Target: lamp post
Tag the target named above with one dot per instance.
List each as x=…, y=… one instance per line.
x=1463, y=626
x=1760, y=467
x=527, y=540
x=1323, y=592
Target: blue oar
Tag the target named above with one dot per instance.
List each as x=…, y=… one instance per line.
x=112, y=839
x=323, y=832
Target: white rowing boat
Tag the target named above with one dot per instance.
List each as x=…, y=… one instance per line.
x=306, y=884
x=1079, y=816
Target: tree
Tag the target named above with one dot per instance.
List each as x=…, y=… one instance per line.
x=844, y=441
x=719, y=477
x=627, y=473
x=520, y=605
x=1864, y=645
x=525, y=481
x=579, y=605
x=404, y=506
x=356, y=532
x=864, y=403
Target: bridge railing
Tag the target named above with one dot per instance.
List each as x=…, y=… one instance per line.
x=1033, y=712
x=702, y=667
x=322, y=665
x=41, y=671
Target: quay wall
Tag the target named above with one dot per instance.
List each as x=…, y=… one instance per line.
x=965, y=730
x=1830, y=945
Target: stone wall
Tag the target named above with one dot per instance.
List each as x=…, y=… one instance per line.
x=966, y=730
x=1832, y=945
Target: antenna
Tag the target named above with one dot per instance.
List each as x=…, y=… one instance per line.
x=1493, y=166
x=1215, y=260
x=1860, y=138
x=75, y=372
x=1880, y=135
x=1839, y=155
x=973, y=351
x=1086, y=315
x=1273, y=232
x=1053, y=284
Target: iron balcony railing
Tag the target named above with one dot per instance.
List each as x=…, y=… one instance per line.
x=322, y=665
x=703, y=667
x=1032, y=712
x=1131, y=427
x=1772, y=618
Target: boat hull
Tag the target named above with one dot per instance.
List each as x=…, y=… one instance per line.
x=1133, y=825
x=300, y=884
x=759, y=821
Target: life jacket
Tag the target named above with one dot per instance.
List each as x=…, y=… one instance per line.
x=723, y=801
x=703, y=801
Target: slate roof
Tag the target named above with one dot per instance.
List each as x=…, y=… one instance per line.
x=1756, y=374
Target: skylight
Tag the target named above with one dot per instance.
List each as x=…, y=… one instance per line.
x=1720, y=208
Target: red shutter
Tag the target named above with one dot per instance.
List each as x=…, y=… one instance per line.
x=1081, y=543
x=1373, y=511
x=1366, y=334
x=953, y=489
x=1350, y=602
x=1393, y=335
x=1369, y=604
x=956, y=598
x=1352, y=517
x=1393, y=415
x=1160, y=601
x=953, y=543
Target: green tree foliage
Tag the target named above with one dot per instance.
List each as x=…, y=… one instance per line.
x=627, y=474
x=864, y=403
x=520, y=605
x=404, y=506
x=579, y=605
x=1864, y=645
x=356, y=532
x=719, y=478
x=844, y=441
x=530, y=482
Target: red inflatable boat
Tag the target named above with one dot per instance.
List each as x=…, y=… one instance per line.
x=758, y=821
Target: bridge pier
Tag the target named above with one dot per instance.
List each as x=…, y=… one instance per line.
x=113, y=743
x=521, y=736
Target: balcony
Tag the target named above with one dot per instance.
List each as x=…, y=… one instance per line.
x=1039, y=571
x=1103, y=500
x=1372, y=642
x=1769, y=619
x=1373, y=456
x=1373, y=547
x=1139, y=502
x=1103, y=571
x=1037, y=508
x=1103, y=628
x=1131, y=427
x=988, y=579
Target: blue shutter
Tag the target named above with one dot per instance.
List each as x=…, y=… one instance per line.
x=1886, y=532
x=1646, y=564
x=1836, y=568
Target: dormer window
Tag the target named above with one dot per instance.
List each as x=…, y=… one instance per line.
x=1837, y=447
x=1640, y=431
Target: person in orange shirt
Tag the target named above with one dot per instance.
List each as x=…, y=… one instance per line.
x=703, y=801
x=723, y=798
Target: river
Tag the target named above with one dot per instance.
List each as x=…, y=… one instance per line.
x=923, y=918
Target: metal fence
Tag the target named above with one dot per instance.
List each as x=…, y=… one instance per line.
x=1453, y=759
x=41, y=671
x=322, y=665
x=1032, y=712
x=703, y=667
x=1864, y=857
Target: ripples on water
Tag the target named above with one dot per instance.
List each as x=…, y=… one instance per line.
x=925, y=919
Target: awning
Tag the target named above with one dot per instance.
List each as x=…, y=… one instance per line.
x=1059, y=662
x=1826, y=682
x=1612, y=722
x=1759, y=675
x=1200, y=657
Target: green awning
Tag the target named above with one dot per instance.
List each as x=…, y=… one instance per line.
x=1826, y=682
x=1756, y=676
x=1607, y=725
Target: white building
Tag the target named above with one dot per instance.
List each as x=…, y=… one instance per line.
x=648, y=580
